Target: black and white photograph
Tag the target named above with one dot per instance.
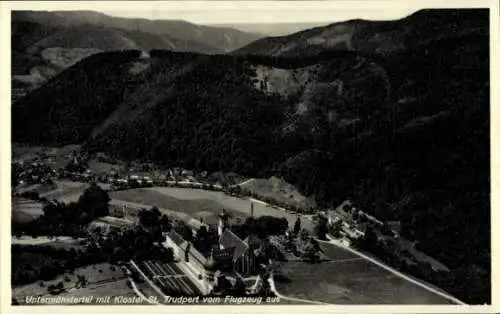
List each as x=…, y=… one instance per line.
x=274, y=153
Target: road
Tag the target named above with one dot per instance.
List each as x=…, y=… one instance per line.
x=337, y=243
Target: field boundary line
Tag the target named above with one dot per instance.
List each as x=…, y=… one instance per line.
x=139, y=293
x=244, y=182
x=395, y=272
x=345, y=260
x=155, y=287
x=272, y=285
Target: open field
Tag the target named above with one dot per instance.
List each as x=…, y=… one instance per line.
x=102, y=280
x=66, y=191
x=176, y=202
x=56, y=242
x=25, y=210
x=349, y=279
x=234, y=204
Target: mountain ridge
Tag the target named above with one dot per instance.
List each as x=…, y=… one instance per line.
x=223, y=39
x=371, y=37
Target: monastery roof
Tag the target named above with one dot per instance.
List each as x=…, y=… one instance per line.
x=228, y=239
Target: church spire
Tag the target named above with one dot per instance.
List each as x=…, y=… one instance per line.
x=223, y=222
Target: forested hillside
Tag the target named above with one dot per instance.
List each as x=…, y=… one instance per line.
x=404, y=133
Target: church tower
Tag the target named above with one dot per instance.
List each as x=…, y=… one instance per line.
x=223, y=222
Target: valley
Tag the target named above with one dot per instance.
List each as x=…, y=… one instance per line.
x=389, y=117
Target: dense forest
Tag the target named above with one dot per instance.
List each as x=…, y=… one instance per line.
x=406, y=137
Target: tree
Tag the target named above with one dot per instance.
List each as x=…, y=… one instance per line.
x=335, y=228
x=239, y=288
x=355, y=215
x=386, y=230
x=164, y=223
x=150, y=218
x=236, y=189
x=304, y=234
x=320, y=228
x=296, y=227
x=309, y=253
x=370, y=237
x=184, y=231
x=94, y=201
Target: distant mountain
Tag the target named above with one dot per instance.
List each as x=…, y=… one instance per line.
x=271, y=29
x=39, y=51
x=372, y=37
x=398, y=125
x=45, y=43
x=219, y=39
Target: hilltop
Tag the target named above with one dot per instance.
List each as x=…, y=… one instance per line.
x=375, y=37
x=404, y=133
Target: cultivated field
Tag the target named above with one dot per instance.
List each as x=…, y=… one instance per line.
x=102, y=281
x=168, y=277
x=25, y=210
x=350, y=279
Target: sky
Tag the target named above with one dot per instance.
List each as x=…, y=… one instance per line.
x=263, y=15
x=230, y=12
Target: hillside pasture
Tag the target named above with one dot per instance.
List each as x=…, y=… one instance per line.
x=275, y=189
